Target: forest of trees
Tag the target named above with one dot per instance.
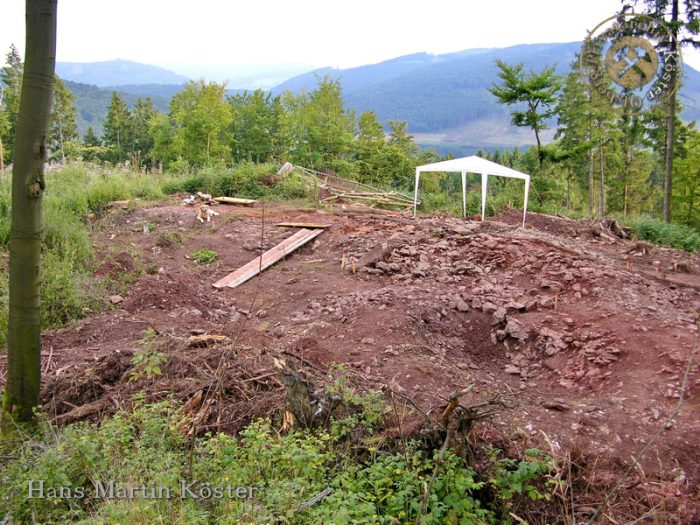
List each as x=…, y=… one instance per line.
x=605, y=159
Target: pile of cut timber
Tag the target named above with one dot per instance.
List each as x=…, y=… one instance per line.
x=342, y=189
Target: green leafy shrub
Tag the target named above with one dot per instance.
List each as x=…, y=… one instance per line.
x=205, y=256
x=148, y=360
x=144, y=447
x=248, y=180
x=191, y=184
x=674, y=235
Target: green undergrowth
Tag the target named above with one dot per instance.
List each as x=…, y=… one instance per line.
x=270, y=474
x=665, y=234
x=246, y=180
x=75, y=197
x=78, y=195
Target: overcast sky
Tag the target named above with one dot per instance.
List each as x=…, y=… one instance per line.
x=315, y=32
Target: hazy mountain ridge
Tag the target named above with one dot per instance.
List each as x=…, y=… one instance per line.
x=116, y=72
x=444, y=98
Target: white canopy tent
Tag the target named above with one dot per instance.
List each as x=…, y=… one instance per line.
x=474, y=164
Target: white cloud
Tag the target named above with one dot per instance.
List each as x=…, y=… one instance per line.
x=219, y=32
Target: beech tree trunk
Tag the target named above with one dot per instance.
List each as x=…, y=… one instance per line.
x=591, y=195
x=671, y=117
x=601, y=189
x=2, y=163
x=23, y=339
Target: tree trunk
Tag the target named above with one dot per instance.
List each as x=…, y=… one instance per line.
x=208, y=142
x=60, y=139
x=23, y=339
x=691, y=202
x=539, y=147
x=601, y=190
x=626, y=174
x=2, y=163
x=591, y=194
x=671, y=117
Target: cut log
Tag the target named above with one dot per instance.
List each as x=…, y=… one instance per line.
x=201, y=341
x=268, y=258
x=235, y=200
x=378, y=253
x=119, y=204
x=310, y=225
x=83, y=412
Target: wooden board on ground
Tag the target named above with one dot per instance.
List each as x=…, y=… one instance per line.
x=268, y=258
x=235, y=200
x=310, y=225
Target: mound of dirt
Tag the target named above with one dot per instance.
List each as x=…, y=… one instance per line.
x=586, y=336
x=177, y=297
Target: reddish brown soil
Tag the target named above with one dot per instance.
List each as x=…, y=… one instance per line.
x=587, y=336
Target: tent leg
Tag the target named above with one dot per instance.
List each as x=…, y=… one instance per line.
x=415, y=194
x=464, y=194
x=484, y=185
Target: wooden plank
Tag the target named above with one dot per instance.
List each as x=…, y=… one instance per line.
x=235, y=200
x=309, y=225
x=268, y=258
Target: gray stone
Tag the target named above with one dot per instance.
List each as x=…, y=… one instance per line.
x=516, y=330
x=499, y=316
x=512, y=369
x=488, y=308
x=458, y=303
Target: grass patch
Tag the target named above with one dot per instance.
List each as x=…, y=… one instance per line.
x=75, y=196
x=80, y=193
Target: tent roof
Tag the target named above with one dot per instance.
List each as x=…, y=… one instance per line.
x=473, y=164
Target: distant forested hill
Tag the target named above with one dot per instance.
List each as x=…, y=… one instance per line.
x=434, y=93
x=690, y=94
x=116, y=72
x=91, y=103
x=444, y=98
x=148, y=90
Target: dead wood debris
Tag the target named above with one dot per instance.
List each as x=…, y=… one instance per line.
x=338, y=189
x=200, y=341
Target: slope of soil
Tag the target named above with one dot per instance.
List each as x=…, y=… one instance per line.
x=588, y=337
